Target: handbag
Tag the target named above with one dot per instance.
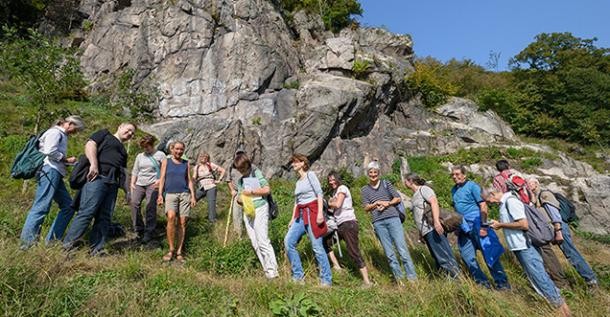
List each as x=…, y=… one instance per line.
x=450, y=221
x=78, y=177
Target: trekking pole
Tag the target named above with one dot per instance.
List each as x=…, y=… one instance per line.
x=336, y=238
x=224, y=244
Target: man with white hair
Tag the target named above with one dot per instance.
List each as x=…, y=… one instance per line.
x=54, y=145
x=514, y=223
x=547, y=200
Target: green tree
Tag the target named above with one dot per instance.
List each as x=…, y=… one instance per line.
x=565, y=82
x=48, y=71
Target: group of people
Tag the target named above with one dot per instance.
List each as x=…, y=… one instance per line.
x=172, y=181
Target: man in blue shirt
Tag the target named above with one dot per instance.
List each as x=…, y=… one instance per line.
x=467, y=201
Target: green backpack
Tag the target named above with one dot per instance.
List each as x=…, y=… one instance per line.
x=29, y=160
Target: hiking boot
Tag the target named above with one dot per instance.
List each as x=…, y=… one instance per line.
x=145, y=238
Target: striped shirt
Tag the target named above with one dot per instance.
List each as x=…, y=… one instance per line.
x=371, y=195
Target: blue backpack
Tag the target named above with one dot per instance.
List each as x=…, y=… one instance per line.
x=29, y=160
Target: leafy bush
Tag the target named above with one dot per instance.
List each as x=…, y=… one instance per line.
x=428, y=82
x=298, y=305
x=293, y=84
x=336, y=14
x=360, y=68
x=87, y=25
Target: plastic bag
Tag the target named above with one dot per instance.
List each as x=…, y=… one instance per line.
x=248, y=205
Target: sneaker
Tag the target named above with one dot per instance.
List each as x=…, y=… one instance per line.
x=325, y=285
x=271, y=276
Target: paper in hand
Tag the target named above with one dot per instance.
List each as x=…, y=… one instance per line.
x=251, y=183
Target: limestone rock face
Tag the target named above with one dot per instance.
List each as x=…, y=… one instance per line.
x=236, y=74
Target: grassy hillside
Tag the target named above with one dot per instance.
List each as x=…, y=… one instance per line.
x=227, y=281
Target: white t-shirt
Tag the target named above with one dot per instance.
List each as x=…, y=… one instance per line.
x=346, y=212
x=511, y=210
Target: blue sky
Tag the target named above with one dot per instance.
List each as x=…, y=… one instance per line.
x=472, y=28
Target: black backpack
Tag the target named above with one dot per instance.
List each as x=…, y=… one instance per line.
x=566, y=208
x=274, y=211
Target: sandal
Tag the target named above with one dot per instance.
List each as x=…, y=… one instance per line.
x=180, y=258
x=168, y=257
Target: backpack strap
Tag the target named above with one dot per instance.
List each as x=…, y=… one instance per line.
x=311, y=184
x=508, y=209
x=155, y=165
x=423, y=214
x=387, y=190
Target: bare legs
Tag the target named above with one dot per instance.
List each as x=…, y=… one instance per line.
x=363, y=271
x=171, y=236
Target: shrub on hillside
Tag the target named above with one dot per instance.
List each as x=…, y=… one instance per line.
x=336, y=14
x=428, y=82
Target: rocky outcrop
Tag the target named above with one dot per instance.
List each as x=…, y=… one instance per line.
x=235, y=74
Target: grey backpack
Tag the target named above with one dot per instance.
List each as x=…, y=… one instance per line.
x=540, y=231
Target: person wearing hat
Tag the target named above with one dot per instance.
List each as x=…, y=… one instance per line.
x=50, y=186
x=380, y=199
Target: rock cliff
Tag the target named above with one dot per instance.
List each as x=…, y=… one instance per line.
x=238, y=74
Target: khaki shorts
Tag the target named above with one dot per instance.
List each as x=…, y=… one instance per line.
x=178, y=202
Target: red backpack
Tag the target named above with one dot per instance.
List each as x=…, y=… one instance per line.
x=517, y=185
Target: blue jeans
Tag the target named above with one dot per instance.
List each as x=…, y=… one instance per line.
x=468, y=243
x=390, y=233
x=97, y=202
x=532, y=264
x=441, y=252
x=293, y=236
x=50, y=187
x=574, y=257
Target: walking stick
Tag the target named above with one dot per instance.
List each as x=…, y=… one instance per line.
x=224, y=244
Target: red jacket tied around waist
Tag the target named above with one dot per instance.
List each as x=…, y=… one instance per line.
x=310, y=214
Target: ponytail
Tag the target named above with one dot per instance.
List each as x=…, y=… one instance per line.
x=415, y=179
